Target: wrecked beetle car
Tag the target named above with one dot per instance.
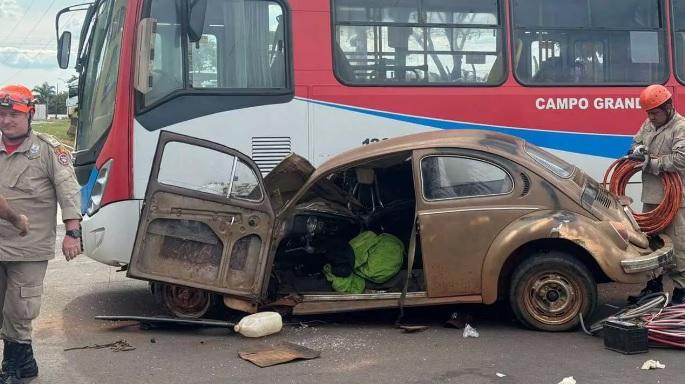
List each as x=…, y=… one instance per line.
x=474, y=216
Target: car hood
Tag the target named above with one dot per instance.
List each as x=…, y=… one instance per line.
x=286, y=179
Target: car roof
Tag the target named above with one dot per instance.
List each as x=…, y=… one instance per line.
x=493, y=142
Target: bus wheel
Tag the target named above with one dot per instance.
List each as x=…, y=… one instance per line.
x=550, y=290
x=185, y=302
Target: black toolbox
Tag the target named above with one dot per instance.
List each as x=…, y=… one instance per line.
x=625, y=337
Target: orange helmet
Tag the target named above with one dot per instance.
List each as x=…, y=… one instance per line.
x=654, y=96
x=17, y=97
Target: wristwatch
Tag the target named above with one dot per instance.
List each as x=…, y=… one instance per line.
x=75, y=233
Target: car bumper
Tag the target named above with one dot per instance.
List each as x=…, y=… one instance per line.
x=660, y=258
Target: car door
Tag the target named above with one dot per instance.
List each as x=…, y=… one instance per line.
x=464, y=200
x=206, y=221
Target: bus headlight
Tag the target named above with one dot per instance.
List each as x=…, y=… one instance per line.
x=99, y=188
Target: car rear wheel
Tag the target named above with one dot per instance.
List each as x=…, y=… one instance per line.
x=184, y=302
x=549, y=290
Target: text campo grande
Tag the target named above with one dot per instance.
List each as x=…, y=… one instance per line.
x=570, y=103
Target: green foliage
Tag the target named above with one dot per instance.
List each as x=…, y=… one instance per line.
x=44, y=92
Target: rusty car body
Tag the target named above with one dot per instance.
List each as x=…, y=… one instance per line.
x=493, y=218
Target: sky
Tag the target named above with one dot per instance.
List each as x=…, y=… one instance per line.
x=28, y=46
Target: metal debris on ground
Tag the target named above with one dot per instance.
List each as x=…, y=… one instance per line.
x=568, y=380
x=469, y=331
x=284, y=352
x=169, y=321
x=117, y=346
x=458, y=320
x=412, y=328
x=652, y=364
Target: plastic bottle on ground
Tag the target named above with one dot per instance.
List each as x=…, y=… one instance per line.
x=259, y=324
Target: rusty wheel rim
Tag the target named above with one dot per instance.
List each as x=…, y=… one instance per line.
x=552, y=298
x=186, y=302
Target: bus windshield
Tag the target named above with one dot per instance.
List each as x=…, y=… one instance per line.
x=99, y=73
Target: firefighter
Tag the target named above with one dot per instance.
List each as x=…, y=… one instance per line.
x=36, y=175
x=660, y=144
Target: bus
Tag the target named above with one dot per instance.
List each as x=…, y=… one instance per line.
x=317, y=77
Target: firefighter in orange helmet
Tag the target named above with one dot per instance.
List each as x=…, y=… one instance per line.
x=660, y=144
x=36, y=175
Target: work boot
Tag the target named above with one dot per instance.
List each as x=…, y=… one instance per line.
x=25, y=362
x=678, y=296
x=10, y=374
x=653, y=286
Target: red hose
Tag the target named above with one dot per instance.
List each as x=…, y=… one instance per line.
x=656, y=220
x=667, y=327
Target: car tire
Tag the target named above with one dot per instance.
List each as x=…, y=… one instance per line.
x=550, y=289
x=185, y=302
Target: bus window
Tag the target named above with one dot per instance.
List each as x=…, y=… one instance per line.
x=679, y=38
x=102, y=68
x=203, y=62
x=167, y=63
x=418, y=42
x=242, y=48
x=589, y=42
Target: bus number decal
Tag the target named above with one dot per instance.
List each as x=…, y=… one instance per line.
x=370, y=140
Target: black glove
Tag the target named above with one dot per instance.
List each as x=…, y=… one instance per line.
x=639, y=157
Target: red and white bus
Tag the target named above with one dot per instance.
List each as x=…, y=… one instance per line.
x=316, y=77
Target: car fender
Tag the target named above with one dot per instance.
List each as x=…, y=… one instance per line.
x=546, y=224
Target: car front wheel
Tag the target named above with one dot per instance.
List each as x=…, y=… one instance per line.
x=549, y=290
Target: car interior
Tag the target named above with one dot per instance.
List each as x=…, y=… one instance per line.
x=374, y=196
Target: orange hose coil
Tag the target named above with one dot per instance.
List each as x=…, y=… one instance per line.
x=656, y=220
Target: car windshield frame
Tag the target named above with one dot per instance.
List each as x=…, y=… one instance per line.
x=549, y=161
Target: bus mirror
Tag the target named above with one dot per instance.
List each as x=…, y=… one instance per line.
x=63, y=49
x=196, y=19
x=144, y=55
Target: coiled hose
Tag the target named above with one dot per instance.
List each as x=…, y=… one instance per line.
x=665, y=325
x=616, y=179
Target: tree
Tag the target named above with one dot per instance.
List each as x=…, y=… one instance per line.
x=44, y=92
x=58, y=103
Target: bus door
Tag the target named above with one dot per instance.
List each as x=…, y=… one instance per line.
x=206, y=221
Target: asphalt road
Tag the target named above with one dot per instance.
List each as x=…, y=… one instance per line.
x=357, y=348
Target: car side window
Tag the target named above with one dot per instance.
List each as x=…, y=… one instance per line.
x=450, y=177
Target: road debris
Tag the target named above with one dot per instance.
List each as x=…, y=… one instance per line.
x=469, y=331
x=117, y=346
x=568, y=380
x=155, y=320
x=652, y=364
x=284, y=352
x=500, y=374
x=458, y=320
x=412, y=328
x=259, y=324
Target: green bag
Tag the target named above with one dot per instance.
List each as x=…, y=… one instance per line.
x=383, y=259
x=377, y=258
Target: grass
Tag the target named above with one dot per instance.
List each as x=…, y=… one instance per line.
x=57, y=128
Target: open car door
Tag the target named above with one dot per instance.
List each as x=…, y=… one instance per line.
x=206, y=222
